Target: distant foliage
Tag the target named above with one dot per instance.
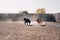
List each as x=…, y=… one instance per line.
x=24, y=12
x=41, y=11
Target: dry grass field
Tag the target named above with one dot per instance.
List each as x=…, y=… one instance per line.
x=19, y=31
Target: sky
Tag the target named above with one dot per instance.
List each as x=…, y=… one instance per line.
x=15, y=6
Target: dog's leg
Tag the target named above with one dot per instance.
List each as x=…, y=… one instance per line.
x=24, y=22
x=27, y=23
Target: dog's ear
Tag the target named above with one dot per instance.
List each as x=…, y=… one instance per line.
x=24, y=18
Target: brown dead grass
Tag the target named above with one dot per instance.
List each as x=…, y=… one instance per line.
x=18, y=31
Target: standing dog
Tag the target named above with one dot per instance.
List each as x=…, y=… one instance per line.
x=27, y=21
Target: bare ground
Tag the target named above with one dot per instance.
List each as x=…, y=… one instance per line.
x=19, y=31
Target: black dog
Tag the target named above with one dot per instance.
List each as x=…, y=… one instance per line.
x=27, y=21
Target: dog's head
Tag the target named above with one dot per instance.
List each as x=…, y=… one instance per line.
x=24, y=19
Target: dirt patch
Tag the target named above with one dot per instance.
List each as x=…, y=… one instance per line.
x=19, y=31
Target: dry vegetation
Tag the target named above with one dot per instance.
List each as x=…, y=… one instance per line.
x=18, y=31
